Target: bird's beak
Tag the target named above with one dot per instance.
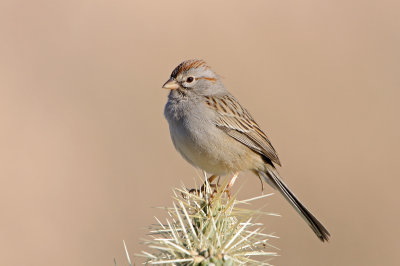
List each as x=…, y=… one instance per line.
x=171, y=84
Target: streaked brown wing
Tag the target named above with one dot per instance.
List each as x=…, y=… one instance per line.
x=238, y=123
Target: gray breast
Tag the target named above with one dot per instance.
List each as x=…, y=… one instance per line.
x=200, y=142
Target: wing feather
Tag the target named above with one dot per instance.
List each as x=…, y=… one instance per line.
x=237, y=122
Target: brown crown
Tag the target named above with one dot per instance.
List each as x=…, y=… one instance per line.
x=188, y=64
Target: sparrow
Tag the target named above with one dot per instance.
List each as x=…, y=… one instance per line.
x=214, y=132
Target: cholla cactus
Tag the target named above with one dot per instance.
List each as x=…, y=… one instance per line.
x=209, y=228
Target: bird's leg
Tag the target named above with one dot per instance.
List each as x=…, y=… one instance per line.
x=233, y=179
x=212, y=178
x=230, y=184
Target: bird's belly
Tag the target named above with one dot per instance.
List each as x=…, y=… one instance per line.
x=212, y=151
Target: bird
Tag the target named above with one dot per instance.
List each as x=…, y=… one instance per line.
x=214, y=132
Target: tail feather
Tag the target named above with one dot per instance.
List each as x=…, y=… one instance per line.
x=271, y=176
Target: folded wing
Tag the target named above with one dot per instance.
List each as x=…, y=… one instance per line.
x=237, y=122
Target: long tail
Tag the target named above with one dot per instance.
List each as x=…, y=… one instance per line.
x=271, y=176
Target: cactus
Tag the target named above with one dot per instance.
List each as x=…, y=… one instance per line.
x=208, y=227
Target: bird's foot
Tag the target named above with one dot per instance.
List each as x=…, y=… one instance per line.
x=207, y=183
x=215, y=187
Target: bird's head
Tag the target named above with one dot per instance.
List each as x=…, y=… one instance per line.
x=194, y=76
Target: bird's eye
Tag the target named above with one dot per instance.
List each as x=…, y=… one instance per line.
x=189, y=79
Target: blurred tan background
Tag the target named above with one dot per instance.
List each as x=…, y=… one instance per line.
x=85, y=152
